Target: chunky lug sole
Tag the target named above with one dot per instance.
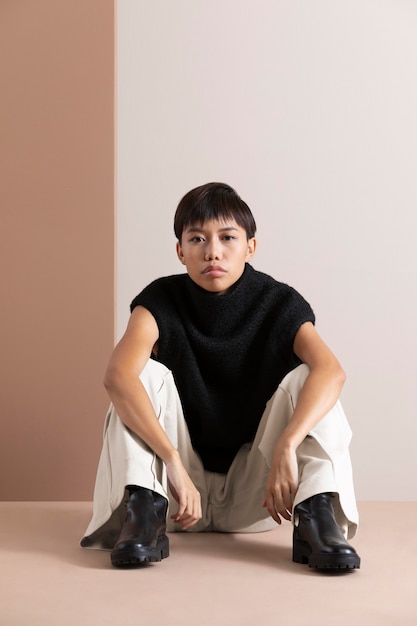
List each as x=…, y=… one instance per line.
x=132, y=555
x=302, y=553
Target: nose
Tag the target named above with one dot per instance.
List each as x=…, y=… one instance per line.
x=213, y=250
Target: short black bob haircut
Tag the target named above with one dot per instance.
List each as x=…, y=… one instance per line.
x=213, y=201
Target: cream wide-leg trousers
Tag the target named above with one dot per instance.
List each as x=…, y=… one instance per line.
x=231, y=502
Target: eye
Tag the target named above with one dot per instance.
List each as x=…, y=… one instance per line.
x=197, y=239
x=229, y=238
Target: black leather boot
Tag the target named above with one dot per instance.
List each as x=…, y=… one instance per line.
x=318, y=540
x=142, y=537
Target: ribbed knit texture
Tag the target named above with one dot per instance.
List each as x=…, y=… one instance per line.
x=227, y=353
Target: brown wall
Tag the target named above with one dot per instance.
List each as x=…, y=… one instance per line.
x=57, y=201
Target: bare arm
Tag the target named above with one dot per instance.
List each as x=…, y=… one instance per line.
x=135, y=409
x=319, y=394
x=125, y=389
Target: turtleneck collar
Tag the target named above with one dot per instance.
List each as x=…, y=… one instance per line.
x=218, y=314
x=211, y=294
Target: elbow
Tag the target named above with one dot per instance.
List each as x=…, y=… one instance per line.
x=333, y=373
x=340, y=375
x=107, y=382
x=110, y=380
x=118, y=381
x=331, y=370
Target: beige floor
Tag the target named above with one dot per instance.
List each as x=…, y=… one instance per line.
x=209, y=580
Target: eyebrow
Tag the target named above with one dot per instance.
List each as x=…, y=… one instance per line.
x=196, y=229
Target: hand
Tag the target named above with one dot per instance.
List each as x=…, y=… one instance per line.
x=282, y=483
x=185, y=493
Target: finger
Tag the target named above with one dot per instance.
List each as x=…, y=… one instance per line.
x=189, y=509
x=189, y=524
x=283, y=510
x=270, y=505
x=287, y=500
x=191, y=517
x=182, y=507
x=186, y=521
x=280, y=506
x=183, y=513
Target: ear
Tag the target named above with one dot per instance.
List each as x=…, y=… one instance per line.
x=179, y=253
x=251, y=248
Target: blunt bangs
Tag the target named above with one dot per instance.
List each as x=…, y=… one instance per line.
x=213, y=201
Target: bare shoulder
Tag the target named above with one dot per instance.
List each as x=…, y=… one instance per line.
x=142, y=326
x=311, y=348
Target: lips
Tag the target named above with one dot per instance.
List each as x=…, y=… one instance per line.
x=214, y=270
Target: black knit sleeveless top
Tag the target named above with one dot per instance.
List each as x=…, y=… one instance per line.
x=228, y=353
